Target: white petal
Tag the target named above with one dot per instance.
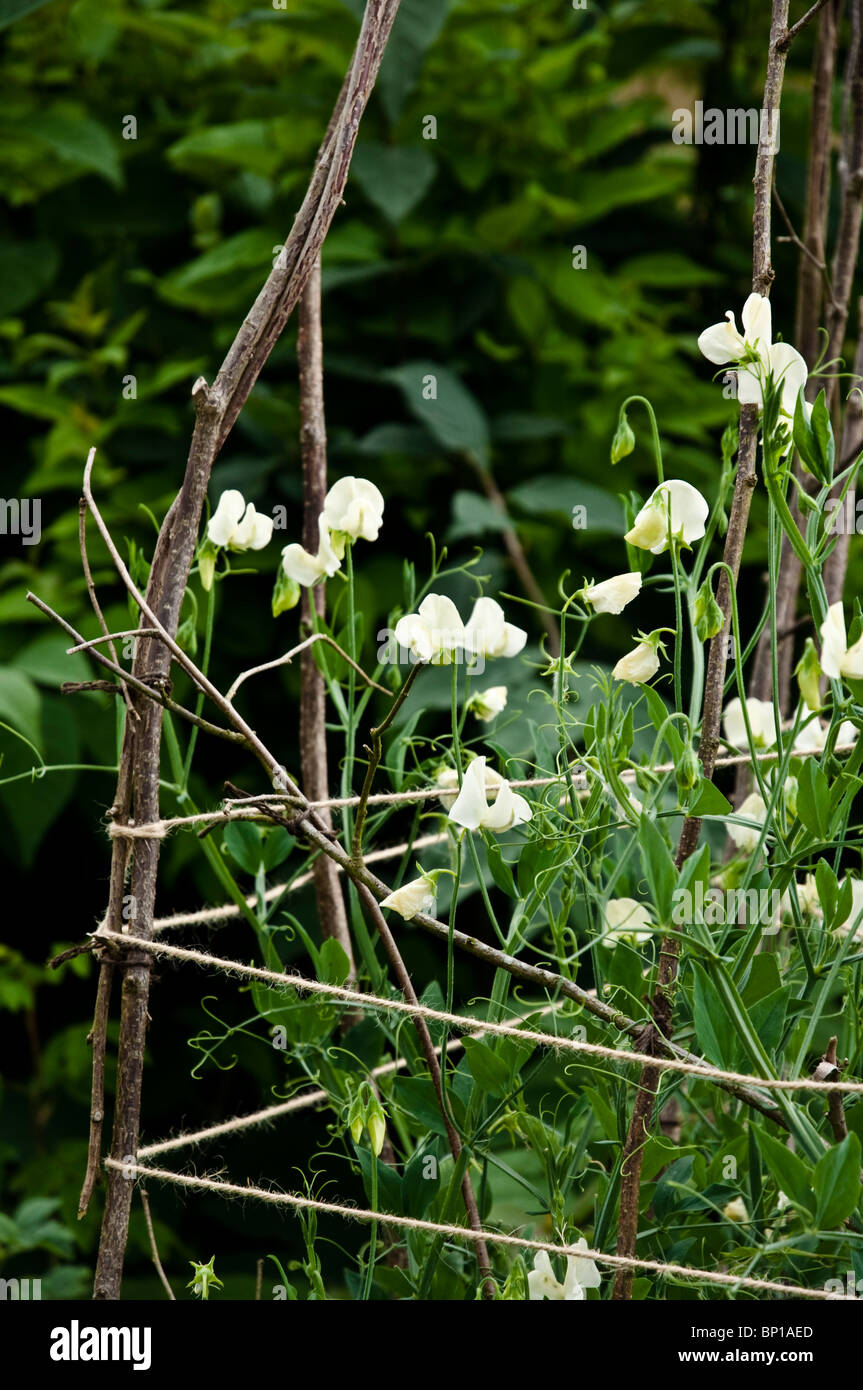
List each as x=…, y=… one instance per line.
x=758, y=324
x=638, y=665
x=833, y=641
x=300, y=566
x=746, y=837
x=413, y=634
x=411, y=898
x=471, y=806
x=789, y=369
x=612, y=595
x=262, y=531
x=485, y=633
x=509, y=809
x=225, y=518
x=852, y=662
x=354, y=506
x=750, y=388
x=721, y=342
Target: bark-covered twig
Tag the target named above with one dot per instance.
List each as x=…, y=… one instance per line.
x=661, y=1027
x=828, y=1070
x=154, y=1249
x=314, y=767
x=217, y=409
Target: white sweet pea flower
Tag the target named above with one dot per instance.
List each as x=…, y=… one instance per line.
x=746, y=837
x=306, y=569
x=472, y=811
x=837, y=658
x=434, y=633
x=237, y=526
x=612, y=595
x=354, y=507
x=487, y=704
x=762, y=721
x=487, y=633
x=417, y=896
x=447, y=780
x=641, y=663
x=723, y=343
x=626, y=920
x=541, y=1282
x=689, y=513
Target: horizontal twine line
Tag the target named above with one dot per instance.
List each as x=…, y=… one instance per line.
x=471, y=1026
x=229, y=910
x=254, y=807
x=411, y=1223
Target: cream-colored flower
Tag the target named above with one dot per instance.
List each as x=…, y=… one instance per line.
x=544, y=1285
x=612, y=595
x=433, y=634
x=638, y=665
x=488, y=634
x=762, y=721
x=736, y=1210
x=354, y=507
x=689, y=512
x=306, y=569
x=237, y=526
x=746, y=837
x=723, y=343
x=626, y=920
x=472, y=810
x=447, y=780
x=489, y=703
x=416, y=896
x=837, y=658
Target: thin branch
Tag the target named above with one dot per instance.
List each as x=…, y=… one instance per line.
x=217, y=409
x=94, y=599
x=295, y=651
x=154, y=1249
x=791, y=34
x=111, y=637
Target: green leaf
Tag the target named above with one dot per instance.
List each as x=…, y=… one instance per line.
x=245, y=844
x=501, y=872
x=436, y=397
x=558, y=494
x=489, y=1071
x=20, y=705
x=837, y=1183
x=333, y=964
x=46, y=662
x=711, y=1020
x=10, y=10
x=474, y=515
x=659, y=867
x=813, y=799
x=77, y=139
x=277, y=846
x=707, y=800
x=416, y=27
x=393, y=177
x=791, y=1174
x=26, y=271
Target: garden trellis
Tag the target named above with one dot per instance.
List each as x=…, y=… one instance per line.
x=591, y=813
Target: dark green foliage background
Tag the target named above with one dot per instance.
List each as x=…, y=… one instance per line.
x=451, y=255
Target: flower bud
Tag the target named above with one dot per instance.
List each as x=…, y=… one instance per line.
x=687, y=771
x=709, y=618
x=624, y=440
x=808, y=672
x=286, y=594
